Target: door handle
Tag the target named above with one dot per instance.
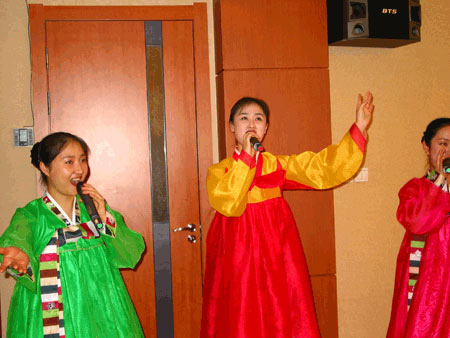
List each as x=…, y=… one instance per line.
x=190, y=227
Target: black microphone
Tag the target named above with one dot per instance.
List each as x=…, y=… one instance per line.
x=90, y=206
x=446, y=165
x=256, y=144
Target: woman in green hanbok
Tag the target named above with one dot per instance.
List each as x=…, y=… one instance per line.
x=67, y=269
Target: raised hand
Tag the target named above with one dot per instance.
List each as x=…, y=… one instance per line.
x=14, y=258
x=364, y=111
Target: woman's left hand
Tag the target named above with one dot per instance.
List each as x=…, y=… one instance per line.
x=364, y=111
x=98, y=199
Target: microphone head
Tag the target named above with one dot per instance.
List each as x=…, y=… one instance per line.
x=446, y=165
x=79, y=186
x=256, y=144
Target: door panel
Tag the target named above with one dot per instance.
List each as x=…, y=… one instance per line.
x=97, y=86
x=255, y=34
x=182, y=175
x=98, y=90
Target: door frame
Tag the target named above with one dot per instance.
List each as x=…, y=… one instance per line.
x=197, y=13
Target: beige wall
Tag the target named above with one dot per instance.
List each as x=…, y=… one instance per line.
x=410, y=85
x=17, y=177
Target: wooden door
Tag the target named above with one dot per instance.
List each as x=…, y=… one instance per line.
x=97, y=79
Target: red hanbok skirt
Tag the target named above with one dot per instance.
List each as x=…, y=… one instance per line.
x=257, y=282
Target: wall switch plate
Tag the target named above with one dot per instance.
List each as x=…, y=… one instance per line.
x=23, y=137
x=363, y=176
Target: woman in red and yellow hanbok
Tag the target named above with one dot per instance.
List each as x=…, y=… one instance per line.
x=257, y=282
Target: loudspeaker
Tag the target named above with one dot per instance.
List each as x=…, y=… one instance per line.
x=373, y=23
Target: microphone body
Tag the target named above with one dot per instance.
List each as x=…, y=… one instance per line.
x=256, y=144
x=90, y=206
x=446, y=165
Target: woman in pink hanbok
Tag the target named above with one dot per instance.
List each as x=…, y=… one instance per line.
x=421, y=302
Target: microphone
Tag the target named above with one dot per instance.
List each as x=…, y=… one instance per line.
x=90, y=206
x=256, y=144
x=446, y=165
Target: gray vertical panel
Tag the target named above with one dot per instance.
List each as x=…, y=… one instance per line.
x=158, y=165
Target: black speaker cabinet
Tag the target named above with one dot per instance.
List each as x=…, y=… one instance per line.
x=373, y=23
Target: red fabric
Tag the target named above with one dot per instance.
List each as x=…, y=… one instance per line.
x=256, y=281
x=246, y=158
x=424, y=208
x=359, y=139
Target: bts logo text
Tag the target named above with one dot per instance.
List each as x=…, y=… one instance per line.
x=389, y=11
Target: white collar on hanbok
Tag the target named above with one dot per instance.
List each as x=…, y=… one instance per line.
x=70, y=219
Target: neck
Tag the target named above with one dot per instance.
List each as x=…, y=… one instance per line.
x=64, y=201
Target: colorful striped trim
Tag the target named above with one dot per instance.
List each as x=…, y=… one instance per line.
x=415, y=255
x=51, y=293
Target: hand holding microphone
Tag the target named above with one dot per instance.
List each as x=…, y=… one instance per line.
x=90, y=206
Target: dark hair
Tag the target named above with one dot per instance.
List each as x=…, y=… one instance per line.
x=50, y=146
x=245, y=101
x=433, y=128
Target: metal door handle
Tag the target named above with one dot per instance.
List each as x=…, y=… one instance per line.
x=190, y=227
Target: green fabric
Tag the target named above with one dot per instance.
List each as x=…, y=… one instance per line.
x=417, y=244
x=96, y=302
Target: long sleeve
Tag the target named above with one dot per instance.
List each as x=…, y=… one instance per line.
x=423, y=206
x=19, y=234
x=228, y=183
x=328, y=168
x=126, y=246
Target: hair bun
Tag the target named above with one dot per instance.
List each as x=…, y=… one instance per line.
x=35, y=154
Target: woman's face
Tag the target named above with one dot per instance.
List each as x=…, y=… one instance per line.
x=68, y=168
x=439, y=143
x=250, y=118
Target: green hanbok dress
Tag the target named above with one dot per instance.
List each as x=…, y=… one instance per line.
x=73, y=287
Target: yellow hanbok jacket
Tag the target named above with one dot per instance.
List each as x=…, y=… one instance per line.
x=256, y=279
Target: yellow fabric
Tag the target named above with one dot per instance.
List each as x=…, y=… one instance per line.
x=257, y=195
x=228, y=181
x=326, y=169
x=227, y=191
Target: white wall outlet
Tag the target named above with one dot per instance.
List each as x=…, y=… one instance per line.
x=363, y=175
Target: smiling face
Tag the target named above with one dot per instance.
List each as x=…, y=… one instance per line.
x=68, y=168
x=440, y=142
x=250, y=119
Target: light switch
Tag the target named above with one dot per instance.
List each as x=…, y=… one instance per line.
x=23, y=137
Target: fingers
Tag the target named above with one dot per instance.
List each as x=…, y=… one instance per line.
x=359, y=101
x=19, y=265
x=98, y=199
x=439, y=160
x=248, y=148
x=91, y=191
